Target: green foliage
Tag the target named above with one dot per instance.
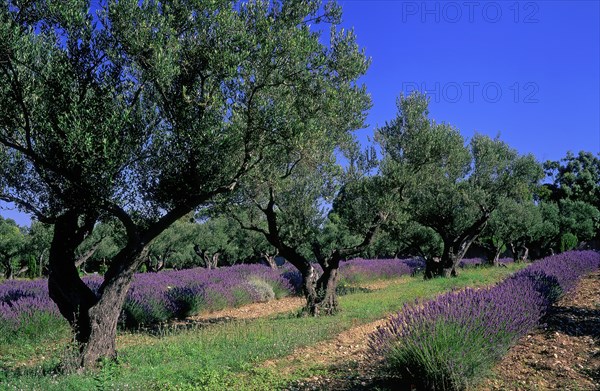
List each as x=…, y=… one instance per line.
x=512, y=222
x=400, y=238
x=466, y=346
x=568, y=241
x=575, y=190
x=148, y=111
x=38, y=238
x=566, y=217
x=576, y=177
x=12, y=242
x=579, y=218
x=220, y=235
x=452, y=187
x=33, y=328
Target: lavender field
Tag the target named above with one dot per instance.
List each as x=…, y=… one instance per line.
x=449, y=341
x=159, y=297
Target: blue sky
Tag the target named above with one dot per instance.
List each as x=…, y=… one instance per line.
x=528, y=70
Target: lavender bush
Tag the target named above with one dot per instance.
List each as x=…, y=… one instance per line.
x=156, y=297
x=27, y=311
x=450, y=342
x=473, y=262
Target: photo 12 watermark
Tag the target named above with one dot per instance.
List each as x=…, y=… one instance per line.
x=470, y=11
x=474, y=91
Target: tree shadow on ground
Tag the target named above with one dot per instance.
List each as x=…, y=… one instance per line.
x=574, y=321
x=578, y=322
x=172, y=327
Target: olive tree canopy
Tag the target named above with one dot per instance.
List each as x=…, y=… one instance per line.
x=147, y=110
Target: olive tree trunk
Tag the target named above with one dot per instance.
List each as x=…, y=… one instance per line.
x=319, y=291
x=270, y=259
x=92, y=315
x=454, y=252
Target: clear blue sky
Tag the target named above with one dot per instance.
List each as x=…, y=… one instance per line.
x=529, y=70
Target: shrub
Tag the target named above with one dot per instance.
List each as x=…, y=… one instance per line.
x=471, y=262
x=26, y=311
x=262, y=290
x=186, y=300
x=362, y=270
x=568, y=242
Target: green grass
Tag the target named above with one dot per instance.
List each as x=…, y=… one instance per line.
x=226, y=356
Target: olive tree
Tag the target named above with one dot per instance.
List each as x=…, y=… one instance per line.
x=146, y=111
x=38, y=238
x=575, y=177
x=310, y=213
x=512, y=225
x=454, y=186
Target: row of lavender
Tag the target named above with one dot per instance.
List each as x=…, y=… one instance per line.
x=451, y=342
x=157, y=297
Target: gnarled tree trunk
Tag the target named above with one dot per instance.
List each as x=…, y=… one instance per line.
x=211, y=261
x=319, y=291
x=520, y=252
x=65, y=287
x=8, y=269
x=104, y=314
x=327, y=301
x=155, y=265
x=454, y=252
x=496, y=260
x=93, y=316
x=455, y=249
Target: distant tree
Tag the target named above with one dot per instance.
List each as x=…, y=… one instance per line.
x=562, y=224
x=406, y=238
x=546, y=231
x=101, y=245
x=149, y=114
x=254, y=247
x=12, y=241
x=510, y=225
x=454, y=187
x=214, y=241
x=172, y=247
x=38, y=237
x=579, y=218
x=576, y=177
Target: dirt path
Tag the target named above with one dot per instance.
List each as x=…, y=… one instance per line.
x=564, y=356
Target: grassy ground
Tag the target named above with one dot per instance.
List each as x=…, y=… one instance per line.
x=222, y=356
